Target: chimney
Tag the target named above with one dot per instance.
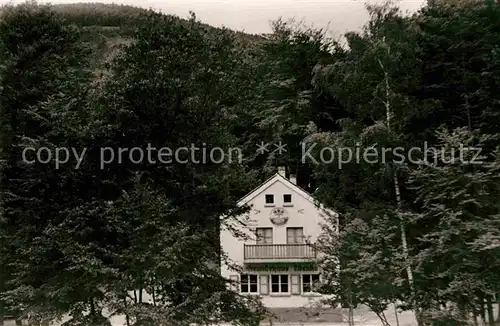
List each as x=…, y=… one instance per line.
x=282, y=171
x=293, y=179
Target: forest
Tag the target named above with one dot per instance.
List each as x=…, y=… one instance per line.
x=419, y=229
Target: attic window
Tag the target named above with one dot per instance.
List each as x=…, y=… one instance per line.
x=287, y=198
x=269, y=199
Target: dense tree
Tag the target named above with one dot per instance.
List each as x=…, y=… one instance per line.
x=114, y=232
x=43, y=61
x=458, y=194
x=399, y=80
x=81, y=239
x=282, y=101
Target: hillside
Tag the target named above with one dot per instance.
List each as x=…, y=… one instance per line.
x=110, y=26
x=114, y=15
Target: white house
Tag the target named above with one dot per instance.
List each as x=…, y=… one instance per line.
x=276, y=255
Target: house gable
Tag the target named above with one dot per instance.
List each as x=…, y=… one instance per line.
x=257, y=192
x=301, y=211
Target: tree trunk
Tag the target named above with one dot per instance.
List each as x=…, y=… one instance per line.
x=482, y=311
x=351, y=316
x=402, y=227
x=498, y=306
x=463, y=313
x=351, y=310
x=2, y=303
x=92, y=307
x=382, y=318
x=489, y=309
x=2, y=313
x=399, y=203
x=127, y=318
x=396, y=313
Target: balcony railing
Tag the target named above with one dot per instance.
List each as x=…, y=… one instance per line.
x=279, y=251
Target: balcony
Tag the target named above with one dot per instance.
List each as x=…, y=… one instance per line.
x=278, y=252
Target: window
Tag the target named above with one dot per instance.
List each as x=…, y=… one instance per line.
x=287, y=198
x=248, y=283
x=279, y=283
x=294, y=235
x=308, y=282
x=269, y=199
x=264, y=235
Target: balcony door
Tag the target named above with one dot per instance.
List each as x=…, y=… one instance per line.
x=264, y=236
x=295, y=240
x=264, y=242
x=294, y=235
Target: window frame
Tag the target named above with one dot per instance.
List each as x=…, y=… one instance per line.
x=271, y=197
x=280, y=284
x=249, y=283
x=295, y=236
x=284, y=199
x=310, y=283
x=259, y=237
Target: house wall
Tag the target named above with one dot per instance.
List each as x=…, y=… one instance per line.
x=302, y=213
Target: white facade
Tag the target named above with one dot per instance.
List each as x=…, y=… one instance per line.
x=276, y=257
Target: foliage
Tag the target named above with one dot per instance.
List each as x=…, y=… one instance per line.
x=431, y=81
x=141, y=238
x=82, y=239
x=458, y=194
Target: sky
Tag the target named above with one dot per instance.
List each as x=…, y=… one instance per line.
x=254, y=16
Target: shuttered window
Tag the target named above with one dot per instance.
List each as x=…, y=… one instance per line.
x=279, y=283
x=248, y=283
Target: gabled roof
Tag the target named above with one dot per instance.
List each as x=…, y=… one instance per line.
x=279, y=178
